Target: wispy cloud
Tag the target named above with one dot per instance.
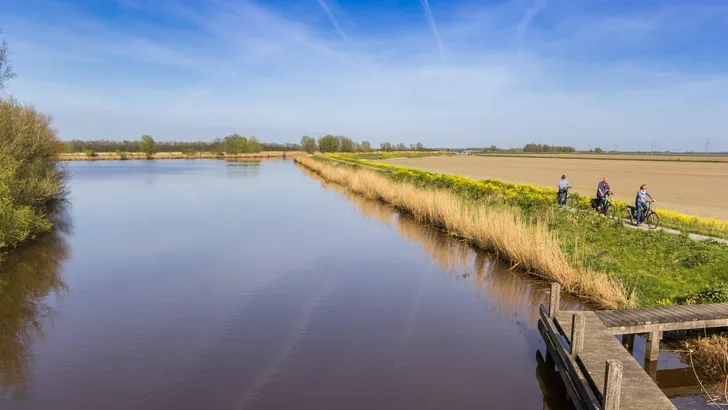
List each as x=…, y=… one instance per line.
x=333, y=20
x=167, y=70
x=433, y=27
x=523, y=25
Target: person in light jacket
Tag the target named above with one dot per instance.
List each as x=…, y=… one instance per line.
x=563, y=188
x=641, y=202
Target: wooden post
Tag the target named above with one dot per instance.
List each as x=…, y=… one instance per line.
x=554, y=300
x=577, y=333
x=612, y=384
x=652, y=350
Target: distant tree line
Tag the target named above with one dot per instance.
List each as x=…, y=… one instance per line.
x=332, y=143
x=230, y=144
x=547, y=148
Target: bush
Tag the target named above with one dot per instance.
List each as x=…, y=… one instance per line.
x=90, y=153
x=30, y=179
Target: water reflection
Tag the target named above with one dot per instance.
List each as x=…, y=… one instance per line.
x=242, y=168
x=513, y=294
x=28, y=277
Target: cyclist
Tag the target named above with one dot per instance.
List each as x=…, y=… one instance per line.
x=563, y=188
x=641, y=202
x=602, y=190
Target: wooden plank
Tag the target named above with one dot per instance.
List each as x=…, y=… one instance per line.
x=552, y=348
x=639, y=391
x=665, y=327
x=587, y=397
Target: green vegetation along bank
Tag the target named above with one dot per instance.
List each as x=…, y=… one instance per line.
x=655, y=267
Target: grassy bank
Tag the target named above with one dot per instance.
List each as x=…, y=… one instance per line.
x=529, y=196
x=654, y=267
x=30, y=178
x=528, y=245
x=115, y=156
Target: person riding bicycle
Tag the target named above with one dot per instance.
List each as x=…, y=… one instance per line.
x=563, y=188
x=602, y=190
x=641, y=202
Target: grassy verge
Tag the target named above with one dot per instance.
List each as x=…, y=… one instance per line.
x=655, y=267
x=514, y=237
x=529, y=196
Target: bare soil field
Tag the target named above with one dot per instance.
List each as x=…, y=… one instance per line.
x=620, y=157
x=692, y=188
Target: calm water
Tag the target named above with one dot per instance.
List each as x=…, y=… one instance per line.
x=237, y=285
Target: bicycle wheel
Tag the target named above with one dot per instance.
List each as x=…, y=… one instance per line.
x=569, y=202
x=652, y=220
x=611, y=212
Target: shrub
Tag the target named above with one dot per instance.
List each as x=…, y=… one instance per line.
x=90, y=153
x=121, y=154
x=30, y=179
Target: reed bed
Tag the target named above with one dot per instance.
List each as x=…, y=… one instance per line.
x=528, y=246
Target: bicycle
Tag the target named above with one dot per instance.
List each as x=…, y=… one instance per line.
x=649, y=216
x=609, y=210
x=566, y=201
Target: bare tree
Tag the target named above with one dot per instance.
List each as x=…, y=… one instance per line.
x=6, y=70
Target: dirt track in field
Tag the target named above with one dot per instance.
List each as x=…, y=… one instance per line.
x=691, y=188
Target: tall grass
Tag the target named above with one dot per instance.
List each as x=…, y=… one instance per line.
x=504, y=231
x=30, y=178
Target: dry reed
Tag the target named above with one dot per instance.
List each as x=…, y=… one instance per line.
x=530, y=247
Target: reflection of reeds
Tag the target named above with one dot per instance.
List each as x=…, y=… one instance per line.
x=510, y=293
x=529, y=246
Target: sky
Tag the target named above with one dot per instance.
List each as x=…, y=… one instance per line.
x=615, y=74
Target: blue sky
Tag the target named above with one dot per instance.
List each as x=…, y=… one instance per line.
x=610, y=73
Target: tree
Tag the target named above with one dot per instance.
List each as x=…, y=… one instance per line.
x=493, y=148
x=598, y=150
x=308, y=144
x=148, y=146
x=385, y=146
x=6, y=70
x=329, y=143
x=366, y=146
x=346, y=144
x=254, y=146
x=419, y=147
x=400, y=147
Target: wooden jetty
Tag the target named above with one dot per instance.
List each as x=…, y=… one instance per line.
x=597, y=370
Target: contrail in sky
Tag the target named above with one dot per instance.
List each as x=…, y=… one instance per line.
x=433, y=27
x=333, y=20
x=525, y=22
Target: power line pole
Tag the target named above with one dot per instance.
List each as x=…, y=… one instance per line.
x=707, y=145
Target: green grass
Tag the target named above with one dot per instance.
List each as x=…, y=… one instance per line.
x=656, y=265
